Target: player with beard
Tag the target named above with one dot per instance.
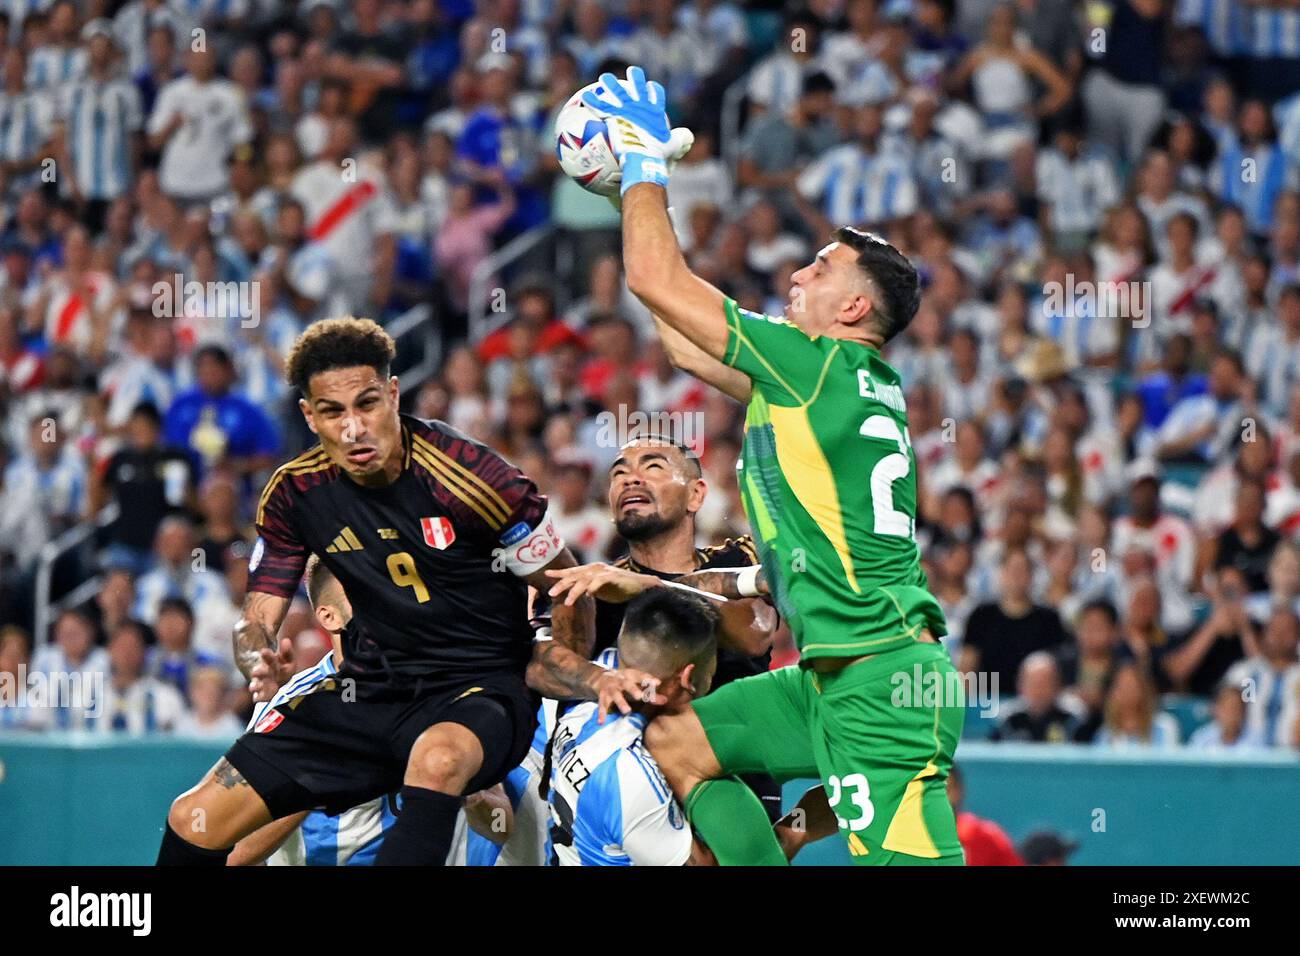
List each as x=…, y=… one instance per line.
x=656, y=488
x=435, y=539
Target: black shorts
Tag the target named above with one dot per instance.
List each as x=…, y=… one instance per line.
x=325, y=750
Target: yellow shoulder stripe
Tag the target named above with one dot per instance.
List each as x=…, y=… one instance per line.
x=486, y=493
x=314, y=459
x=436, y=469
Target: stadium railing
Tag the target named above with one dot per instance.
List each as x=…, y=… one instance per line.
x=47, y=609
x=416, y=326
x=488, y=274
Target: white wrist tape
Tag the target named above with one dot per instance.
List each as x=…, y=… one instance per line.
x=747, y=581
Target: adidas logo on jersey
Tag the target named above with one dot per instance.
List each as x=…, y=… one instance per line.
x=345, y=540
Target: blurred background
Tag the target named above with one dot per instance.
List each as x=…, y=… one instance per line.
x=1103, y=378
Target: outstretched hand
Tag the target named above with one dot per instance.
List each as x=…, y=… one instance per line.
x=602, y=581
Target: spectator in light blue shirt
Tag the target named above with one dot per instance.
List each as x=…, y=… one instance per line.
x=1227, y=731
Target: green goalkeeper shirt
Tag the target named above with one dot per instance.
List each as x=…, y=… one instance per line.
x=828, y=479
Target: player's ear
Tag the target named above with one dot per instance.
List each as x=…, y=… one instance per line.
x=328, y=617
x=684, y=678
x=393, y=395
x=857, y=310
x=699, y=490
x=307, y=415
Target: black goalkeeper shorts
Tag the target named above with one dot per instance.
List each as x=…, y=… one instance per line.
x=326, y=750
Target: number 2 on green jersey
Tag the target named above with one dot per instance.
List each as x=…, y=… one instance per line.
x=888, y=470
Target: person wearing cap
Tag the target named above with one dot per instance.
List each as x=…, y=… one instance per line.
x=1046, y=848
x=98, y=125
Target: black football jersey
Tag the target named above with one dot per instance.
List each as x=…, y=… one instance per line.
x=431, y=563
x=732, y=553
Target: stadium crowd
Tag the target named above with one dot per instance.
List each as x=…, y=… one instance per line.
x=1103, y=377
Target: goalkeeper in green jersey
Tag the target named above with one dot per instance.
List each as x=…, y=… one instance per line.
x=828, y=479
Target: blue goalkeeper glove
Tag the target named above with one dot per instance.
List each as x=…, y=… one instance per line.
x=644, y=143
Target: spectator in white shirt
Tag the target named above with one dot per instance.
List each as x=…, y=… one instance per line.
x=579, y=520
x=73, y=670
x=1227, y=731
x=180, y=573
x=197, y=122
x=700, y=178
x=350, y=214
x=134, y=702
x=1076, y=187
x=209, y=717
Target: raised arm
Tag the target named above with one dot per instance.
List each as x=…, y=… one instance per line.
x=690, y=358
x=656, y=271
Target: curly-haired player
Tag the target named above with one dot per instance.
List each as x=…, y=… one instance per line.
x=434, y=538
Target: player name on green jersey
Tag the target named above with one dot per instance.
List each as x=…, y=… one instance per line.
x=828, y=480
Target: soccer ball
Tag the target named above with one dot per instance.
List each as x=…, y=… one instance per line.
x=582, y=145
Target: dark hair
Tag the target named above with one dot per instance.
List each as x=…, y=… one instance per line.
x=338, y=343
x=659, y=438
x=177, y=604
x=894, y=276
x=818, y=82
x=1232, y=356
x=148, y=410
x=1104, y=606
x=214, y=351
x=678, y=621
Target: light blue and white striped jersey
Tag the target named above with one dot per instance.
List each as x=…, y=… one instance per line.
x=60, y=489
x=1273, y=699
x=51, y=66
x=854, y=187
x=1222, y=22
x=26, y=123
x=1252, y=179
x=203, y=589
x=1271, y=33
x=1079, y=190
x=1286, y=117
x=100, y=119
x=610, y=805
x=19, y=10
x=351, y=838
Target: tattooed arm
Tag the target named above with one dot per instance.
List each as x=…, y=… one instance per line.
x=254, y=640
x=748, y=625
x=562, y=667
x=724, y=582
